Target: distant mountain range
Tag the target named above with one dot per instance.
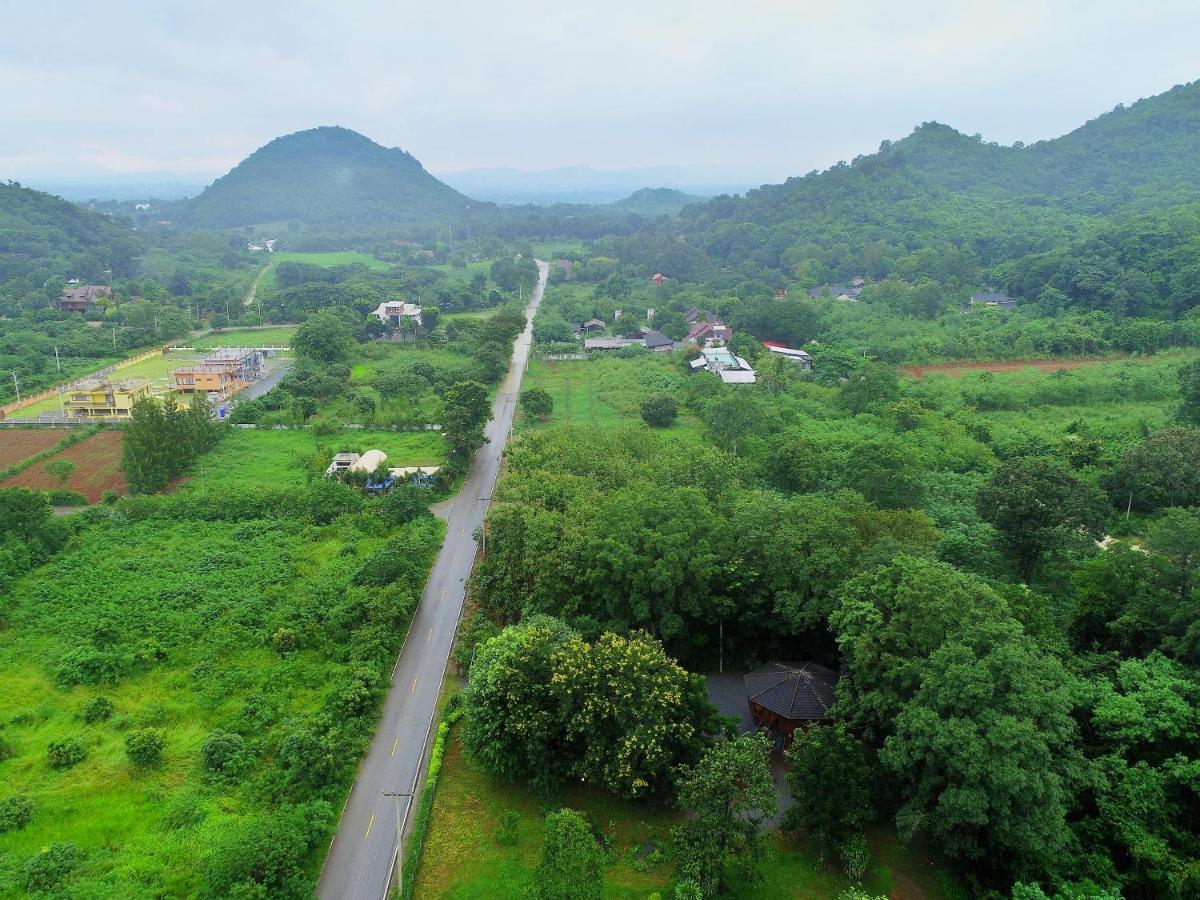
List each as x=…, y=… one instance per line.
x=579, y=184
x=326, y=177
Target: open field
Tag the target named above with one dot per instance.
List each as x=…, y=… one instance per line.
x=263, y=458
x=604, y=391
x=1052, y=364
x=328, y=260
x=276, y=336
x=97, y=462
x=17, y=444
x=462, y=859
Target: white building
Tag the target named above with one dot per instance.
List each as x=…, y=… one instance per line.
x=722, y=363
x=391, y=312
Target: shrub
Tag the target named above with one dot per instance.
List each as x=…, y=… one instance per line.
x=65, y=753
x=144, y=747
x=284, y=641
x=6, y=749
x=51, y=867
x=67, y=498
x=15, y=812
x=97, y=710
x=87, y=665
x=223, y=753
x=537, y=403
x=660, y=411
x=402, y=504
x=108, y=498
x=855, y=857
x=506, y=830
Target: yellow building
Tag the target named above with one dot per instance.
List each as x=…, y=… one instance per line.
x=99, y=399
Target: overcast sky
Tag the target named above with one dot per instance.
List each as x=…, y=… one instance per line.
x=735, y=90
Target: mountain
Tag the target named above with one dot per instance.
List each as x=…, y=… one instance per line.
x=43, y=236
x=657, y=201
x=326, y=177
x=579, y=184
x=942, y=192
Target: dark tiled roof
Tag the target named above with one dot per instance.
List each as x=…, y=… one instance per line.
x=792, y=690
x=657, y=339
x=989, y=297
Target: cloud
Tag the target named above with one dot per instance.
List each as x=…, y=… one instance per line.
x=757, y=90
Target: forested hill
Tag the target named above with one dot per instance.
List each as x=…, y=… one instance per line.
x=326, y=177
x=657, y=201
x=43, y=236
x=938, y=186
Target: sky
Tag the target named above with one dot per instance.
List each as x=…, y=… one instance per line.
x=750, y=91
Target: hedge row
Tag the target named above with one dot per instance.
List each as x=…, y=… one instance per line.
x=416, y=842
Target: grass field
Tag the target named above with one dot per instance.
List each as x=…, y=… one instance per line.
x=328, y=260
x=251, y=458
x=277, y=336
x=97, y=462
x=604, y=391
x=463, y=861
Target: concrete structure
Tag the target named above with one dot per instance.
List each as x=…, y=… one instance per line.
x=223, y=372
x=993, y=299
x=106, y=400
x=369, y=461
x=341, y=462
x=721, y=362
x=800, y=357
x=591, y=344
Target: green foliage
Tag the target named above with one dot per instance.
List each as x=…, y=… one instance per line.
x=52, y=867
x=64, y=753
x=506, y=830
x=62, y=469
x=144, y=746
x=16, y=811
x=467, y=411
x=856, y=857
x=161, y=441
x=830, y=784
x=97, y=709
x=1158, y=472
x=572, y=862
x=262, y=856
x=536, y=403
x=223, y=753
x=727, y=795
x=660, y=411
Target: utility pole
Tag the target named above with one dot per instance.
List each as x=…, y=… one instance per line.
x=57, y=360
x=396, y=795
x=17, y=386
x=114, y=337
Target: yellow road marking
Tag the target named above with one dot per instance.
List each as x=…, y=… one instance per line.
x=369, y=826
x=443, y=597
x=394, y=743
x=413, y=689
x=428, y=636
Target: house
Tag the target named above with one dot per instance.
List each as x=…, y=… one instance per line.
x=82, y=298
x=858, y=281
x=104, y=400
x=691, y=315
x=708, y=329
x=800, y=357
x=369, y=461
x=341, y=462
x=842, y=292
x=721, y=362
x=140, y=206
x=658, y=278
x=994, y=299
x=591, y=326
x=780, y=293
x=786, y=696
x=392, y=312
x=658, y=342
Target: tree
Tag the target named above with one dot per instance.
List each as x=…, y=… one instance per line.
x=466, y=412
x=660, y=411
x=1158, y=472
x=829, y=779
x=61, y=469
x=874, y=384
x=727, y=796
x=985, y=750
x=886, y=472
x=324, y=337
x=1189, y=385
x=144, y=747
x=572, y=862
x=537, y=403
x=430, y=315
x=145, y=453
x=1037, y=505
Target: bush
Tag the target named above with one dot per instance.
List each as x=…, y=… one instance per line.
x=65, y=753
x=67, y=498
x=87, y=665
x=15, y=812
x=660, y=411
x=284, y=641
x=6, y=749
x=856, y=858
x=537, y=403
x=97, y=710
x=403, y=504
x=108, y=498
x=144, y=747
x=223, y=753
x=51, y=867
x=506, y=830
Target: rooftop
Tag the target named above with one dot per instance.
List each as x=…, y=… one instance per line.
x=792, y=690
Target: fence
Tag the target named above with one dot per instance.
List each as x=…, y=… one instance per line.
x=10, y=408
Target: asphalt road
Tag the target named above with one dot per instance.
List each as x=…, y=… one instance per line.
x=363, y=851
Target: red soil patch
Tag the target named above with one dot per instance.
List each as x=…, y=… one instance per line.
x=958, y=369
x=97, y=460
x=17, y=444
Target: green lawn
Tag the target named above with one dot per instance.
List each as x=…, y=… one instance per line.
x=463, y=861
x=249, y=458
x=327, y=259
x=277, y=336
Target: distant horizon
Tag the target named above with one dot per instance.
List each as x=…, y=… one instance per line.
x=754, y=95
